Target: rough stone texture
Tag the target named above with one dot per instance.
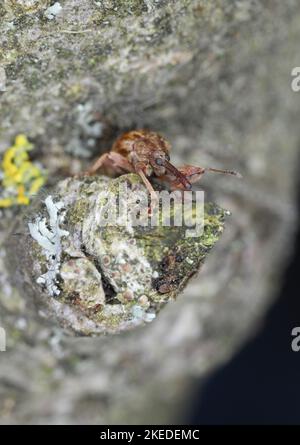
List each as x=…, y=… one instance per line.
x=214, y=78
x=93, y=259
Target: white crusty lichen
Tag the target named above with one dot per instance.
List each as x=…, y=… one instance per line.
x=53, y=11
x=139, y=313
x=2, y=80
x=48, y=234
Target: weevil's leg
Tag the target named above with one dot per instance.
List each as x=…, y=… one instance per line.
x=148, y=186
x=138, y=168
x=111, y=159
x=145, y=181
x=98, y=164
x=118, y=161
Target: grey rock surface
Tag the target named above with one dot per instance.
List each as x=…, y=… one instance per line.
x=214, y=77
x=95, y=261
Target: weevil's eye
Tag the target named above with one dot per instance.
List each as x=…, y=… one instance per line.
x=159, y=161
x=167, y=157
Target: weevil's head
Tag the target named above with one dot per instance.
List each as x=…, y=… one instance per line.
x=160, y=162
x=159, y=159
x=151, y=151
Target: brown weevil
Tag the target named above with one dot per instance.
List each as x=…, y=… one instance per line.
x=147, y=153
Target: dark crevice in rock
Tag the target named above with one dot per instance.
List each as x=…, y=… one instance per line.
x=110, y=293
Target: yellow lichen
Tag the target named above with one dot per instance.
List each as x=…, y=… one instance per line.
x=20, y=177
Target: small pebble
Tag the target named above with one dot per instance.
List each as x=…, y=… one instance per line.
x=143, y=300
x=128, y=295
x=127, y=268
x=106, y=260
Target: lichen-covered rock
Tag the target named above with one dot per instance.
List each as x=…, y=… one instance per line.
x=213, y=76
x=105, y=278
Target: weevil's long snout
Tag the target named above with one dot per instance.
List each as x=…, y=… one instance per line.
x=180, y=176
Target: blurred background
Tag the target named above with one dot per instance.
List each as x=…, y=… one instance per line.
x=214, y=77
x=260, y=384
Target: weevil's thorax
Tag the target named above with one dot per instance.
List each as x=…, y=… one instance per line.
x=141, y=148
